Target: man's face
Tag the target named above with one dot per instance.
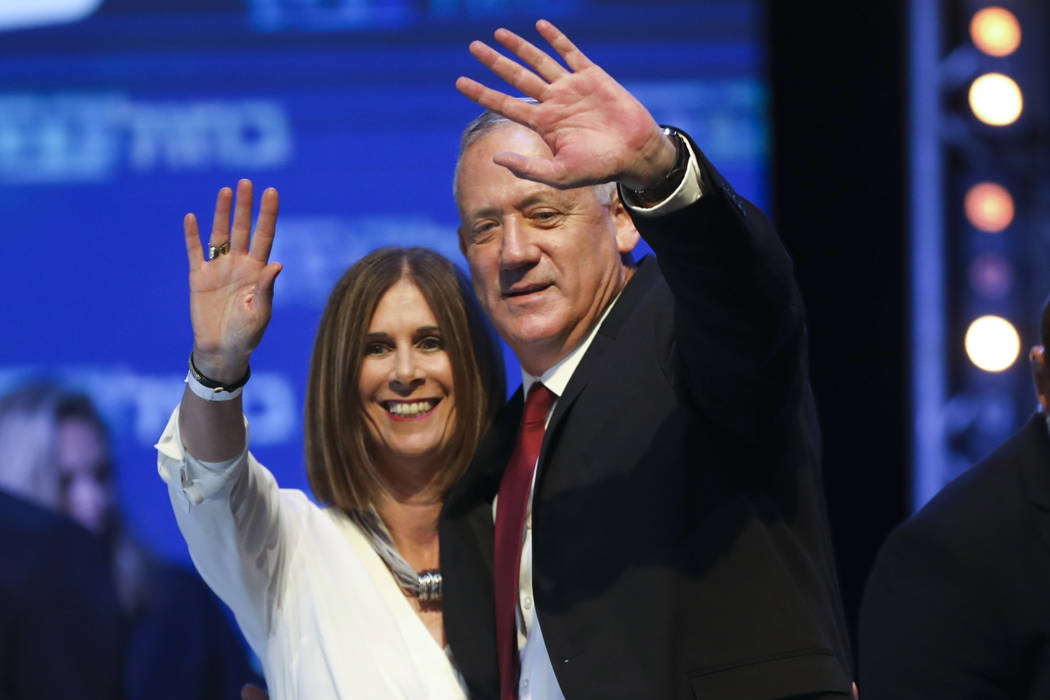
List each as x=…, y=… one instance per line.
x=545, y=262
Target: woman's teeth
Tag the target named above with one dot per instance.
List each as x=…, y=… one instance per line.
x=415, y=408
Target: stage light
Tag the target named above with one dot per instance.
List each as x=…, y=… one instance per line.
x=995, y=31
x=989, y=207
x=996, y=99
x=992, y=343
x=991, y=276
x=20, y=14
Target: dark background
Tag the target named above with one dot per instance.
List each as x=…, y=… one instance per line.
x=838, y=75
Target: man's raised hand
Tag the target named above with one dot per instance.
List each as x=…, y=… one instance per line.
x=231, y=295
x=596, y=130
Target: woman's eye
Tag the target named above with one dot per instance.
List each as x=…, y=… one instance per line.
x=430, y=343
x=375, y=348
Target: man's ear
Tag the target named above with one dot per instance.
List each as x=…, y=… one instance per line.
x=1041, y=376
x=627, y=235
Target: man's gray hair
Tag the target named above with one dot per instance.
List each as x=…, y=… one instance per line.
x=489, y=121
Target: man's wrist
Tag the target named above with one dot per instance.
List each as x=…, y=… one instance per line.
x=660, y=190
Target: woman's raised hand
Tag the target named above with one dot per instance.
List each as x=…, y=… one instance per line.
x=231, y=294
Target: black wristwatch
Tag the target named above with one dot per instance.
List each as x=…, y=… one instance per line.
x=651, y=196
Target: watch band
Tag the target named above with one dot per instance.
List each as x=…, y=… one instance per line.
x=651, y=196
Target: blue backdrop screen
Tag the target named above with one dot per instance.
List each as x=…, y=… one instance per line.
x=114, y=126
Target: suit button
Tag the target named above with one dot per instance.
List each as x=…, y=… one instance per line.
x=526, y=602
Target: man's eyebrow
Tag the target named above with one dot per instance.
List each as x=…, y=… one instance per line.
x=548, y=194
x=480, y=213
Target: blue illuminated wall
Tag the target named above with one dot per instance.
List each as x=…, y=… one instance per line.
x=113, y=127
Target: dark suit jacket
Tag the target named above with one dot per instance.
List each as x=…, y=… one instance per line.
x=680, y=544
x=958, y=603
x=59, y=619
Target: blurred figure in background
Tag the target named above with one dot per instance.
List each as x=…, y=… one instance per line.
x=956, y=605
x=54, y=450
x=60, y=634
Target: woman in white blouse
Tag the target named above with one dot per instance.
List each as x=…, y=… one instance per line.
x=341, y=601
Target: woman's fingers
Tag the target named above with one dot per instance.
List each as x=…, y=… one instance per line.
x=220, y=224
x=241, y=230
x=193, y=241
x=262, y=241
x=235, y=238
x=264, y=288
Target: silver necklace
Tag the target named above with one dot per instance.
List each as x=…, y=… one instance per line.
x=425, y=585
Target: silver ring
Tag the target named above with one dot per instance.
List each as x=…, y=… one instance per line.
x=215, y=251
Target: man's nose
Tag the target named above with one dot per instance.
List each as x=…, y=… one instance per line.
x=518, y=248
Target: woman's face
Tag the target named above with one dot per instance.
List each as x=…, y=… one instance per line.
x=84, y=473
x=406, y=381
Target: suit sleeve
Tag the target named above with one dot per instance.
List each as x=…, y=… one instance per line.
x=739, y=321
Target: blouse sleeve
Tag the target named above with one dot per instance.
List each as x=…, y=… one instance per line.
x=239, y=536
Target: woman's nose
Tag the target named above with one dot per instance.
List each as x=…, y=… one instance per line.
x=407, y=372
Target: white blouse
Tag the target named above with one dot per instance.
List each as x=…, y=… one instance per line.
x=316, y=603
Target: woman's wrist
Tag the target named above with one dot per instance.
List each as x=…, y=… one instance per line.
x=219, y=369
x=211, y=388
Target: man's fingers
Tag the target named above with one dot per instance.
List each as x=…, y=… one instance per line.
x=573, y=57
x=542, y=170
x=193, y=241
x=515, y=110
x=220, y=224
x=542, y=63
x=512, y=73
x=262, y=241
x=241, y=230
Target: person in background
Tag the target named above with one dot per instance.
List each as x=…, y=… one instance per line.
x=60, y=633
x=342, y=600
x=957, y=603
x=54, y=450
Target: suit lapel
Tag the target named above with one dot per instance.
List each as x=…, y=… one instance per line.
x=644, y=278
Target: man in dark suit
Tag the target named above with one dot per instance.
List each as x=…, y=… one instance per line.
x=958, y=602
x=59, y=621
x=675, y=543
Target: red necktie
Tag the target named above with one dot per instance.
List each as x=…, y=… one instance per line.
x=510, y=521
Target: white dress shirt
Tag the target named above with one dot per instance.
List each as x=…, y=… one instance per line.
x=316, y=603
x=537, y=678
